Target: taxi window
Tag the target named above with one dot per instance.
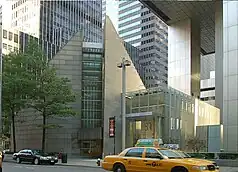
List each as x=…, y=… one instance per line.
x=135, y=152
x=170, y=154
x=152, y=153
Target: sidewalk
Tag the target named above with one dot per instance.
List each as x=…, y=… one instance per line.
x=228, y=169
x=80, y=162
x=71, y=162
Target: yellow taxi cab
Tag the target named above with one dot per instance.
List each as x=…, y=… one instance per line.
x=154, y=159
x=159, y=143
x=187, y=156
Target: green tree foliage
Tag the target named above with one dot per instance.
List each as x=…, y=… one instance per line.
x=51, y=95
x=29, y=81
x=15, y=88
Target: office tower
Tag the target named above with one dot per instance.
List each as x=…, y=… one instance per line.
x=134, y=52
x=104, y=8
x=142, y=29
x=1, y=14
x=56, y=21
x=207, y=84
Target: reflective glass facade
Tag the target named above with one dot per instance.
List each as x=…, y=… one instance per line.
x=15, y=41
x=172, y=115
x=92, y=113
x=167, y=114
x=92, y=101
x=57, y=21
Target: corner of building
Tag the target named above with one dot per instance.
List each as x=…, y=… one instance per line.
x=114, y=52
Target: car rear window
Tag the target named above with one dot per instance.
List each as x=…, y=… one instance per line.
x=135, y=152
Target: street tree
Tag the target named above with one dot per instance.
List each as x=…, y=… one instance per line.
x=15, y=87
x=52, y=95
x=196, y=144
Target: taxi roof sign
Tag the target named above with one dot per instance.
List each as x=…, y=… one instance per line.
x=149, y=142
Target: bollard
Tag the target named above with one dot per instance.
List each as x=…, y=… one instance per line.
x=98, y=162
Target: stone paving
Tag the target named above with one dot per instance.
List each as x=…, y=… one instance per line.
x=80, y=162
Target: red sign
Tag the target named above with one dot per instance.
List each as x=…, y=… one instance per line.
x=112, y=127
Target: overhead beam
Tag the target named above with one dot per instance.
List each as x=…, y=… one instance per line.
x=206, y=53
x=156, y=10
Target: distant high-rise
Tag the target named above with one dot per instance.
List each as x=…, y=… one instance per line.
x=56, y=21
x=144, y=30
x=0, y=14
x=104, y=4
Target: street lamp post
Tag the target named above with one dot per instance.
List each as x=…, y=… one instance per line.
x=123, y=65
x=1, y=121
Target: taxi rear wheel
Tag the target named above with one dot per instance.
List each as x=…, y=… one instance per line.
x=119, y=168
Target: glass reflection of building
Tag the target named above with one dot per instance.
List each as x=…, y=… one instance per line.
x=134, y=53
x=166, y=113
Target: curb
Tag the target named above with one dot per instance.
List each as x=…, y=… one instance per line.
x=72, y=165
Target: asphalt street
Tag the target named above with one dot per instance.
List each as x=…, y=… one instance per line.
x=13, y=167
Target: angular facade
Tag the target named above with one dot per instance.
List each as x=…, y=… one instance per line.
x=114, y=52
x=82, y=63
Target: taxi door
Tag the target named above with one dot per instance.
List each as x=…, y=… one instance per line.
x=133, y=160
x=153, y=161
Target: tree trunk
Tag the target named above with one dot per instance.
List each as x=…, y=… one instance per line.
x=13, y=131
x=43, y=133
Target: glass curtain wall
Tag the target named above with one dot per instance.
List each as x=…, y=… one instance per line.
x=172, y=116
x=92, y=99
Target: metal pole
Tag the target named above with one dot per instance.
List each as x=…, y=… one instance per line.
x=1, y=65
x=114, y=139
x=123, y=104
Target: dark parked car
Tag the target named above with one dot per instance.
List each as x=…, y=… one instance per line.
x=34, y=156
